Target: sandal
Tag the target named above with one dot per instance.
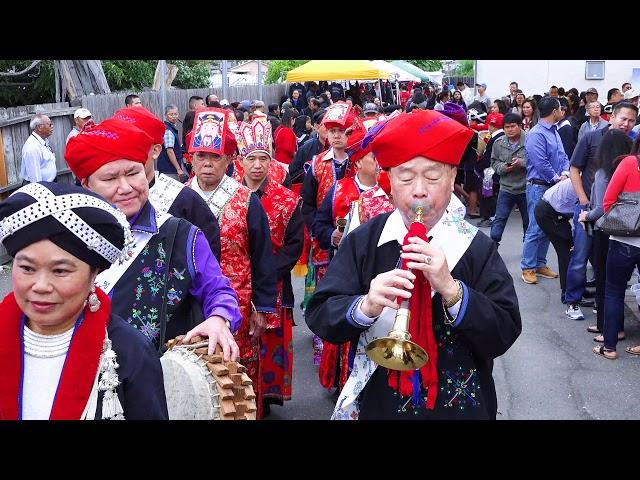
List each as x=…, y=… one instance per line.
x=633, y=350
x=593, y=329
x=605, y=352
x=600, y=338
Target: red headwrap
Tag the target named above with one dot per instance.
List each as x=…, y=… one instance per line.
x=106, y=142
x=354, y=145
x=145, y=121
x=424, y=133
x=340, y=115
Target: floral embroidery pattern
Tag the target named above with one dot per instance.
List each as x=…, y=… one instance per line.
x=144, y=316
x=460, y=389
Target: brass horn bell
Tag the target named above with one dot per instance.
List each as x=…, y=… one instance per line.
x=397, y=351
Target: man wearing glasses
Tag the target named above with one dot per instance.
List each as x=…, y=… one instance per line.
x=170, y=159
x=38, y=160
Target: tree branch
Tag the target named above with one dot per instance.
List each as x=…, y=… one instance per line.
x=17, y=74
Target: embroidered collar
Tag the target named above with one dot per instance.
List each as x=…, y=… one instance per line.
x=145, y=219
x=329, y=155
x=380, y=193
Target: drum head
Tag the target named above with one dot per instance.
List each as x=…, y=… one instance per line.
x=187, y=387
x=199, y=386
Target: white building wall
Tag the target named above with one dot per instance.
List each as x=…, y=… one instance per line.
x=536, y=76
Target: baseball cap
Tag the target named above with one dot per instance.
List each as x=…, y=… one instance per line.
x=224, y=102
x=629, y=94
x=495, y=120
x=370, y=108
x=82, y=113
x=592, y=90
x=483, y=85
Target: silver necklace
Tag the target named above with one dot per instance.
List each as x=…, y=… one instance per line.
x=46, y=346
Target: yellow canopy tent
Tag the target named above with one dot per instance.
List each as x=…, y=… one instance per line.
x=337, y=70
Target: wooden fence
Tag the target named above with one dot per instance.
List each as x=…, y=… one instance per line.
x=14, y=124
x=103, y=106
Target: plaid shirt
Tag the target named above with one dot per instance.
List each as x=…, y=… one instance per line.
x=169, y=139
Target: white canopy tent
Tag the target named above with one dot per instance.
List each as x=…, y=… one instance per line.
x=399, y=74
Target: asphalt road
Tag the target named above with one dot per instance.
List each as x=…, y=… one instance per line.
x=549, y=373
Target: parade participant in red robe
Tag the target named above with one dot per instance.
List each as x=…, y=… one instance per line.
x=282, y=207
x=247, y=259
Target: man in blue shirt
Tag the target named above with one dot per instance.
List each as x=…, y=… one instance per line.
x=547, y=164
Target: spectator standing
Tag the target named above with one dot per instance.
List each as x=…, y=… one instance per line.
x=615, y=145
x=509, y=161
x=595, y=122
x=38, y=160
x=517, y=103
x=132, y=100
x=622, y=258
x=302, y=128
x=80, y=117
x=315, y=145
x=456, y=98
x=530, y=114
x=547, y=164
x=170, y=159
x=582, y=172
x=273, y=115
x=481, y=95
x=513, y=92
x=495, y=122
x=286, y=143
x=565, y=128
x=467, y=93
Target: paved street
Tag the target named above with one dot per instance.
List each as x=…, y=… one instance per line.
x=549, y=373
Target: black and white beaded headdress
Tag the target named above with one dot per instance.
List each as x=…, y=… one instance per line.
x=75, y=219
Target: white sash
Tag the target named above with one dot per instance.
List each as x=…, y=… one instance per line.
x=164, y=192
x=218, y=199
x=108, y=278
x=453, y=235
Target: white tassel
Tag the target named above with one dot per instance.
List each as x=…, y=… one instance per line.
x=109, y=381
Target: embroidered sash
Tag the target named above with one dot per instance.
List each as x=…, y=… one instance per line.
x=164, y=192
x=221, y=195
x=108, y=278
x=453, y=235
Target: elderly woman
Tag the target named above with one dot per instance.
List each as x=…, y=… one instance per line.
x=172, y=264
x=63, y=353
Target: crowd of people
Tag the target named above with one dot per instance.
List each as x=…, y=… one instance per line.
x=198, y=230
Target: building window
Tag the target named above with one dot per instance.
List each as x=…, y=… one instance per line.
x=594, y=70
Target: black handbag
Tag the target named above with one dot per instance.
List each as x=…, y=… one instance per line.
x=623, y=218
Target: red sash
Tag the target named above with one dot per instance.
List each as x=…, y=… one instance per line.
x=80, y=366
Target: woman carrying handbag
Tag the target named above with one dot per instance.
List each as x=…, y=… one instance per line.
x=622, y=203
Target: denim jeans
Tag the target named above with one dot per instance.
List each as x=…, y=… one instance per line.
x=577, y=270
x=621, y=260
x=536, y=243
x=506, y=201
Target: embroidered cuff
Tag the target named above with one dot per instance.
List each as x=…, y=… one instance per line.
x=459, y=309
x=356, y=317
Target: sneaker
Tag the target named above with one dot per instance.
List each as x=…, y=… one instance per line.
x=486, y=223
x=529, y=276
x=573, y=312
x=546, y=272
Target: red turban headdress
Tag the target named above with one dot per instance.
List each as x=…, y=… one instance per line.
x=106, y=142
x=145, y=121
x=421, y=133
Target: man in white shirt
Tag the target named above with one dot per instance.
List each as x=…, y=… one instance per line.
x=80, y=117
x=38, y=160
x=467, y=93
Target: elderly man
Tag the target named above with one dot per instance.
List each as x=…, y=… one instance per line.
x=38, y=160
x=170, y=262
x=247, y=258
x=595, y=122
x=472, y=316
x=80, y=117
x=170, y=159
x=282, y=207
x=482, y=96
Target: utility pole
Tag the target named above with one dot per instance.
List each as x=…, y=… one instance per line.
x=259, y=80
x=225, y=80
x=163, y=85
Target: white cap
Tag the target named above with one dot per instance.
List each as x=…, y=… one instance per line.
x=224, y=102
x=629, y=94
x=82, y=113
